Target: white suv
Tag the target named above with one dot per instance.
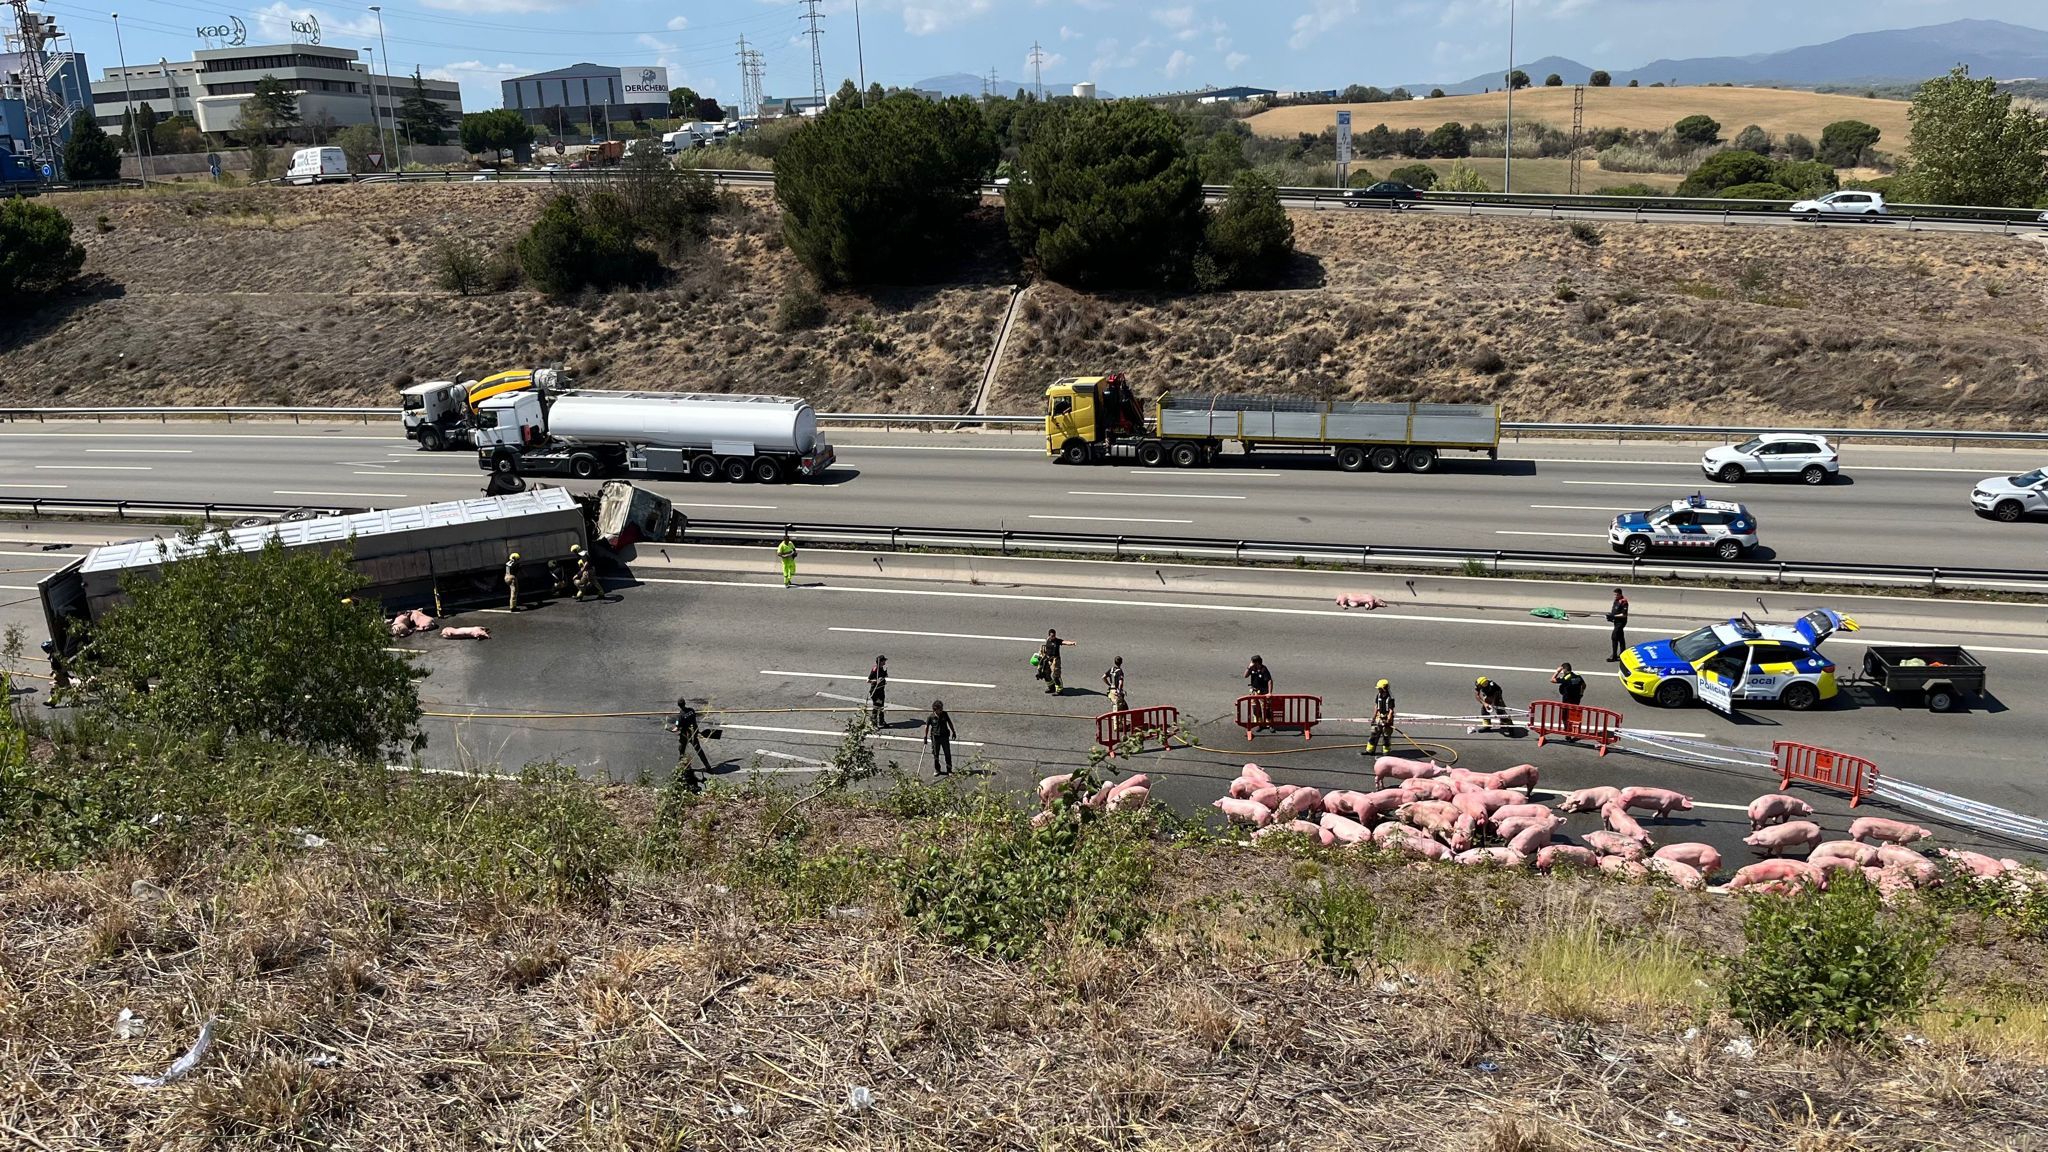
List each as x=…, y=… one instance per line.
x=1781, y=454
x=1842, y=204
x=2011, y=498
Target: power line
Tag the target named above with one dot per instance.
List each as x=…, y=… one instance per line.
x=1038, y=70
x=811, y=18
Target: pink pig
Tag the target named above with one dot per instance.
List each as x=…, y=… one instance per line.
x=1428, y=789
x=1554, y=855
x=1521, y=776
x=1700, y=856
x=1590, y=799
x=1614, y=844
x=1886, y=831
x=1301, y=802
x=1344, y=829
x=1778, y=837
x=1531, y=839
x=1267, y=797
x=1401, y=769
x=1622, y=824
x=1522, y=812
x=1976, y=862
x=1496, y=857
x=1777, y=871
x=1861, y=855
x=1682, y=874
x=1627, y=869
x=1244, y=811
x=1256, y=775
x=1126, y=797
x=1049, y=788
x=1662, y=801
x=1772, y=807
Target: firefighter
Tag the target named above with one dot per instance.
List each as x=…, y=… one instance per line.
x=1617, y=615
x=878, y=690
x=1492, y=703
x=1049, y=661
x=586, y=574
x=938, y=733
x=786, y=551
x=1382, y=741
x=1571, y=687
x=1113, y=680
x=512, y=583
x=559, y=572
x=61, y=685
x=686, y=726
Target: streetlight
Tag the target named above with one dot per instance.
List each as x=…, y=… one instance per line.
x=375, y=118
x=1508, y=153
x=860, y=55
x=128, y=93
x=379, y=10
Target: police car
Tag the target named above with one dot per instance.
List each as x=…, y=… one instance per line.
x=1721, y=527
x=1780, y=662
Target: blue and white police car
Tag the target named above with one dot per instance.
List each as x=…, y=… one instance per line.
x=1751, y=661
x=1721, y=528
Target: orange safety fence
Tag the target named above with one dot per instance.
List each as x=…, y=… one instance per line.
x=1825, y=767
x=1113, y=728
x=1303, y=712
x=1549, y=718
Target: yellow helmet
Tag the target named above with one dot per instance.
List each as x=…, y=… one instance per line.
x=1385, y=684
x=575, y=548
x=1482, y=681
x=514, y=556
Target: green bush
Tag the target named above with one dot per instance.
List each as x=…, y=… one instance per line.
x=1697, y=131
x=1798, y=147
x=1832, y=964
x=1448, y=141
x=1760, y=191
x=1842, y=143
x=1726, y=169
x=1625, y=190
x=91, y=154
x=1418, y=176
x=1463, y=178
x=37, y=253
x=1753, y=139
x=1341, y=921
x=586, y=243
x=1806, y=179
x=882, y=194
x=1250, y=238
x=1110, y=197
x=799, y=309
x=1972, y=145
x=458, y=268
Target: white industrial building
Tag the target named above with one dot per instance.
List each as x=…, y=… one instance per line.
x=334, y=86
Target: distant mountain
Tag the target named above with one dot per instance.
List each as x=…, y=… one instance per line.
x=968, y=84
x=1989, y=47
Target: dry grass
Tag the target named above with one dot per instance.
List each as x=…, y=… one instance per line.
x=1777, y=111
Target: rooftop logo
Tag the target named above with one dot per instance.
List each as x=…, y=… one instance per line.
x=308, y=28
x=231, y=34
x=647, y=75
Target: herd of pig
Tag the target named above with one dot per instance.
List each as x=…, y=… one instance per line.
x=1444, y=813
x=406, y=623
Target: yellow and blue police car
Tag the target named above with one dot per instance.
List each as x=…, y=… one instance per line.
x=1780, y=662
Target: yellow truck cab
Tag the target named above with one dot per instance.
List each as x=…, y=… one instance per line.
x=1084, y=411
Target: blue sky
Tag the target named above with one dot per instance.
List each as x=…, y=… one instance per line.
x=1127, y=48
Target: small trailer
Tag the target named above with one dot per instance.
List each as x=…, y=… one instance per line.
x=1945, y=674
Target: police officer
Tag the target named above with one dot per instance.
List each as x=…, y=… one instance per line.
x=1382, y=741
x=685, y=726
x=938, y=733
x=1571, y=687
x=512, y=583
x=1049, y=661
x=586, y=574
x=1258, y=681
x=1113, y=681
x=1492, y=702
x=878, y=690
x=60, y=677
x=1617, y=615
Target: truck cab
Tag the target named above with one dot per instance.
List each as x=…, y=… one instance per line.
x=1084, y=412
x=442, y=413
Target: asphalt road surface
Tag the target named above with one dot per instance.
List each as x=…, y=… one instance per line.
x=1893, y=505
x=1897, y=221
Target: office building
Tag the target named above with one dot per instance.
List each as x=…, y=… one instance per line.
x=69, y=82
x=334, y=86
x=588, y=94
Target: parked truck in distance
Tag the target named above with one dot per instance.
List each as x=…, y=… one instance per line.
x=1093, y=419
x=442, y=413
x=699, y=436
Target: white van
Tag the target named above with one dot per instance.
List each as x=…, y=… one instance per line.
x=317, y=165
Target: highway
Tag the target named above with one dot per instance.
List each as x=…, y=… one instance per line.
x=1895, y=504
x=1737, y=216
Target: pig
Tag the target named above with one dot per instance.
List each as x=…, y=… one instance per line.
x=1267, y=797
x=1049, y=788
x=1462, y=831
x=1906, y=860
x=1373, y=805
x=1480, y=805
x=1421, y=846
x=1834, y=864
x=1621, y=823
x=1387, y=835
x=1661, y=801
x=1302, y=801
x=1256, y=774
x=1497, y=857
x=1428, y=789
x=1590, y=799
x=1244, y=811
x=1699, y=856
x=1509, y=829
x=1428, y=815
x=1976, y=863
x=1778, y=837
x=1125, y=798
x=401, y=626
x=470, y=633
x=1242, y=788
x=1531, y=839
x=1522, y=812
x=1614, y=844
x=1342, y=801
x=1889, y=882
x=1344, y=829
x=1886, y=831
x=1682, y=874
x=1297, y=827
x=1400, y=769
x=1772, y=807
x=1561, y=855
x=1626, y=869
x=1365, y=600
x=1041, y=819
x=1861, y=855
x=1521, y=776
x=1795, y=872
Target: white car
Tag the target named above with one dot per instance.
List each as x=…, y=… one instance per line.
x=2011, y=498
x=1842, y=204
x=1780, y=454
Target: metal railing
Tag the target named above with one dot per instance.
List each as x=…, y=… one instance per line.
x=39, y=506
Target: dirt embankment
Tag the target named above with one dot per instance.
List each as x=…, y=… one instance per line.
x=316, y=296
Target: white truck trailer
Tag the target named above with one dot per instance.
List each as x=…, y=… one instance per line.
x=702, y=436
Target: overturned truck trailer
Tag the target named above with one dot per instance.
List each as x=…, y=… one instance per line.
x=405, y=554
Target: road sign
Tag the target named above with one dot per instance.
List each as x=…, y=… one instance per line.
x=1344, y=136
x=376, y=159
x=213, y=159
x=48, y=171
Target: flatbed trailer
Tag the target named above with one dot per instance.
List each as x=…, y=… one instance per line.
x=1945, y=674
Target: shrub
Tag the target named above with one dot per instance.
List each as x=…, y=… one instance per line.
x=1564, y=290
x=584, y=243
x=37, y=253
x=1763, y=190
x=1341, y=921
x=1599, y=79
x=1420, y=176
x=1842, y=143
x=1448, y=141
x=458, y=268
x=1798, y=147
x=1832, y=964
x=799, y=309
x=1753, y=139
x=91, y=154
x=1111, y=197
x=1726, y=169
x=1807, y=178
x=1462, y=178
x=1553, y=81
x=1623, y=190
x=1585, y=231
x=1486, y=360
x=1250, y=239
x=1697, y=131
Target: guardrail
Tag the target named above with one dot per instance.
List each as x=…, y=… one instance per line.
x=123, y=509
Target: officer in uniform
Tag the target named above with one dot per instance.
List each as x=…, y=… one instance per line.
x=1382, y=741
x=1492, y=703
x=685, y=726
x=512, y=583
x=1113, y=680
x=1571, y=687
x=1617, y=615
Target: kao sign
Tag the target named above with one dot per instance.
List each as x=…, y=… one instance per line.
x=231, y=34
x=308, y=28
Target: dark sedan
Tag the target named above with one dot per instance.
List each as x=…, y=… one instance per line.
x=1392, y=193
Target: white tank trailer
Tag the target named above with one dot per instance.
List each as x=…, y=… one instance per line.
x=585, y=433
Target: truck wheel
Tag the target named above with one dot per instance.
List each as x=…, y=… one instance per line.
x=768, y=470
x=1940, y=699
x=736, y=469
x=1386, y=459
x=504, y=461
x=582, y=467
x=1152, y=455
x=704, y=468
x=1351, y=458
x=1185, y=455
x=1800, y=697
x=1421, y=459
x=1074, y=452
x=430, y=439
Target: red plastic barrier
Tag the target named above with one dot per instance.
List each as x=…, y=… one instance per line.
x=1549, y=718
x=1113, y=728
x=1825, y=767
x=1303, y=712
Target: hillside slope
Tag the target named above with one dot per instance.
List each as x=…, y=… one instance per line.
x=327, y=297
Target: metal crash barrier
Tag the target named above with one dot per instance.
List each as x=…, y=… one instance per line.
x=1113, y=728
x=1256, y=712
x=1825, y=767
x=1548, y=718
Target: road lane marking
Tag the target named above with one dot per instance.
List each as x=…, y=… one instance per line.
x=56, y=487
x=17, y=587
x=858, y=676
x=1113, y=519
x=365, y=495
x=839, y=735
x=430, y=475
x=1567, y=535
x=191, y=436
x=1629, y=484
x=1159, y=496
x=1489, y=667
x=928, y=448
x=1667, y=732
x=941, y=635
x=143, y=451
x=820, y=765
x=1582, y=507
x=95, y=468
x=757, y=507
x=1156, y=473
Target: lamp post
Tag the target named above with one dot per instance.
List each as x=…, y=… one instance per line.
x=379, y=10
x=1508, y=152
x=860, y=55
x=128, y=94
x=376, y=118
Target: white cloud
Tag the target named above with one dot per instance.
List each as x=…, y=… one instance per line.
x=654, y=43
x=1235, y=60
x=275, y=22
x=1177, y=17
x=1067, y=33
x=479, y=81
x=499, y=6
x=922, y=19
x=1322, y=16
x=678, y=23
x=1177, y=64
x=1052, y=61
x=1109, y=56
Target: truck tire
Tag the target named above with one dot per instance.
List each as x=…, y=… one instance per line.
x=1186, y=456
x=736, y=469
x=1152, y=454
x=768, y=470
x=1940, y=698
x=1386, y=459
x=430, y=439
x=1421, y=460
x=1351, y=458
x=582, y=466
x=704, y=468
x=1073, y=452
x=505, y=460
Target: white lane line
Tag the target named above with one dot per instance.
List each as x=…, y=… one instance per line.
x=54, y=487
x=1113, y=519
x=863, y=701
x=837, y=735
x=190, y=436
x=1159, y=474
x=429, y=475
x=18, y=587
x=1696, y=464
x=817, y=765
x=1567, y=535
x=1159, y=496
x=1581, y=507
x=366, y=495
x=95, y=468
x=940, y=635
x=143, y=451
x=928, y=448
x=1630, y=484
x=1668, y=732
x=1743, y=808
x=757, y=507
x=859, y=676
x=1488, y=667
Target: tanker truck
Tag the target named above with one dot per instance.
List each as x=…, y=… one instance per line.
x=699, y=436
x=442, y=413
